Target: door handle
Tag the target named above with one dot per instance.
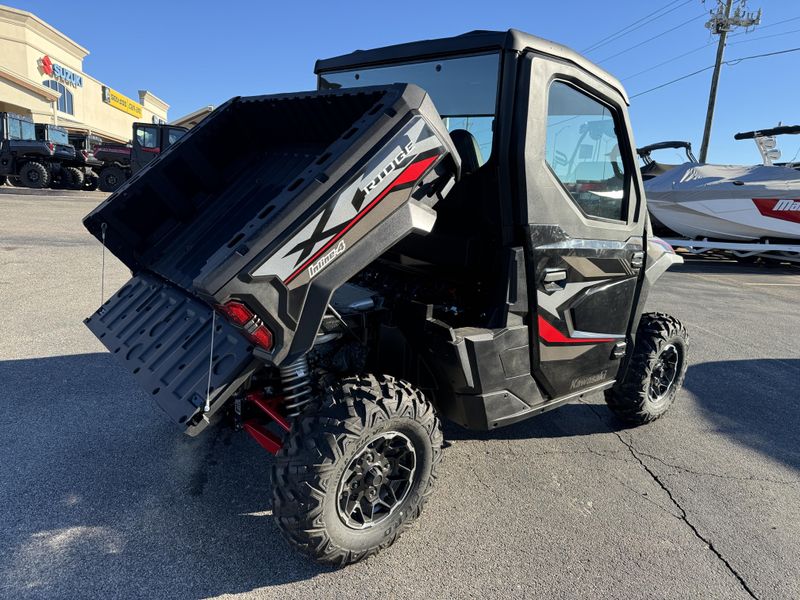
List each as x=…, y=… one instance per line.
x=637, y=260
x=553, y=275
x=552, y=279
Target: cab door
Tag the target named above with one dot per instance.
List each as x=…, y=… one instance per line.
x=584, y=230
x=146, y=145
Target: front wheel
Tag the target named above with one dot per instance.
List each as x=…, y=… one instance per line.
x=111, y=178
x=655, y=372
x=73, y=178
x=356, y=472
x=90, y=181
x=34, y=175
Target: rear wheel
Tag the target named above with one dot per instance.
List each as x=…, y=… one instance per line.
x=73, y=178
x=655, y=373
x=355, y=473
x=34, y=175
x=90, y=181
x=111, y=178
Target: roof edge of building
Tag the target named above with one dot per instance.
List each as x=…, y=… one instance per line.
x=24, y=17
x=148, y=97
x=188, y=118
x=37, y=88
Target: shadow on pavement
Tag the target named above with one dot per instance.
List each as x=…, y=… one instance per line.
x=103, y=496
x=570, y=420
x=755, y=402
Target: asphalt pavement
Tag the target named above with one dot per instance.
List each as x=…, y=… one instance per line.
x=102, y=497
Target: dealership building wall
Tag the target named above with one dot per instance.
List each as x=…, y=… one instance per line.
x=41, y=76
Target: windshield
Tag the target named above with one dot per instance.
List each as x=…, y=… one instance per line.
x=57, y=136
x=463, y=89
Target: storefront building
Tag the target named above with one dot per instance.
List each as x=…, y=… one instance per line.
x=41, y=76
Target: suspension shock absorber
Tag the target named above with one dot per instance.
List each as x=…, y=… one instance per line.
x=296, y=383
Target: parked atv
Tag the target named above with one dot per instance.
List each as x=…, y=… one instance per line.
x=377, y=263
x=84, y=145
x=24, y=160
x=121, y=161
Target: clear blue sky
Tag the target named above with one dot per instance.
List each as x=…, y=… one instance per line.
x=197, y=53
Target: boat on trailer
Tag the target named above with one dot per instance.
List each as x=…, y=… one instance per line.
x=747, y=210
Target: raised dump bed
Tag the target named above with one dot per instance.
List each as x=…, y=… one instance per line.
x=233, y=185
x=262, y=211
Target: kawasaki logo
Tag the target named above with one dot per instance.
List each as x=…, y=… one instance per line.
x=326, y=259
x=787, y=204
x=587, y=380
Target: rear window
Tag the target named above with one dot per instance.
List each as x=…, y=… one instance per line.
x=464, y=89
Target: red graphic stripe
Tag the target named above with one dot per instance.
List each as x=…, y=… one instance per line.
x=552, y=335
x=785, y=209
x=411, y=173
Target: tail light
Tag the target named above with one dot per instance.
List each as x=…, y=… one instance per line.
x=85, y=154
x=52, y=146
x=252, y=327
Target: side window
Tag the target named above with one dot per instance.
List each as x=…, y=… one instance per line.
x=174, y=135
x=14, y=129
x=582, y=150
x=147, y=137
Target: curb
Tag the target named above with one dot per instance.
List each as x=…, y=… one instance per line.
x=21, y=191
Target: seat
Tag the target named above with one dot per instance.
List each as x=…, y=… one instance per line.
x=468, y=149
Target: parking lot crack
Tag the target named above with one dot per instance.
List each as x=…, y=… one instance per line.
x=688, y=471
x=683, y=515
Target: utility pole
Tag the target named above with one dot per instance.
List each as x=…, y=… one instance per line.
x=720, y=23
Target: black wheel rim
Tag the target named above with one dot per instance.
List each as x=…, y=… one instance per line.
x=377, y=480
x=33, y=175
x=665, y=372
x=111, y=179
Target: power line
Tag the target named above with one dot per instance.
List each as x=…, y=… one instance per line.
x=764, y=37
x=763, y=27
x=679, y=56
x=736, y=61
x=732, y=62
x=669, y=60
x=627, y=29
x=658, y=87
x=650, y=39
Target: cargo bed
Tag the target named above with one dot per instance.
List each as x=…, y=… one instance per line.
x=273, y=202
x=205, y=208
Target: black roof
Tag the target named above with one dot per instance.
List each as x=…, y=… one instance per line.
x=473, y=41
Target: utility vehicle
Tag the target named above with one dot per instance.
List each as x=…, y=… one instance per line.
x=120, y=161
x=84, y=144
x=469, y=243
x=64, y=166
x=24, y=160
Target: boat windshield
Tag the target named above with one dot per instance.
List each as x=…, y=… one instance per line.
x=463, y=89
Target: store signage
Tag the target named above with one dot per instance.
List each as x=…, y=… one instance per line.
x=56, y=71
x=122, y=103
